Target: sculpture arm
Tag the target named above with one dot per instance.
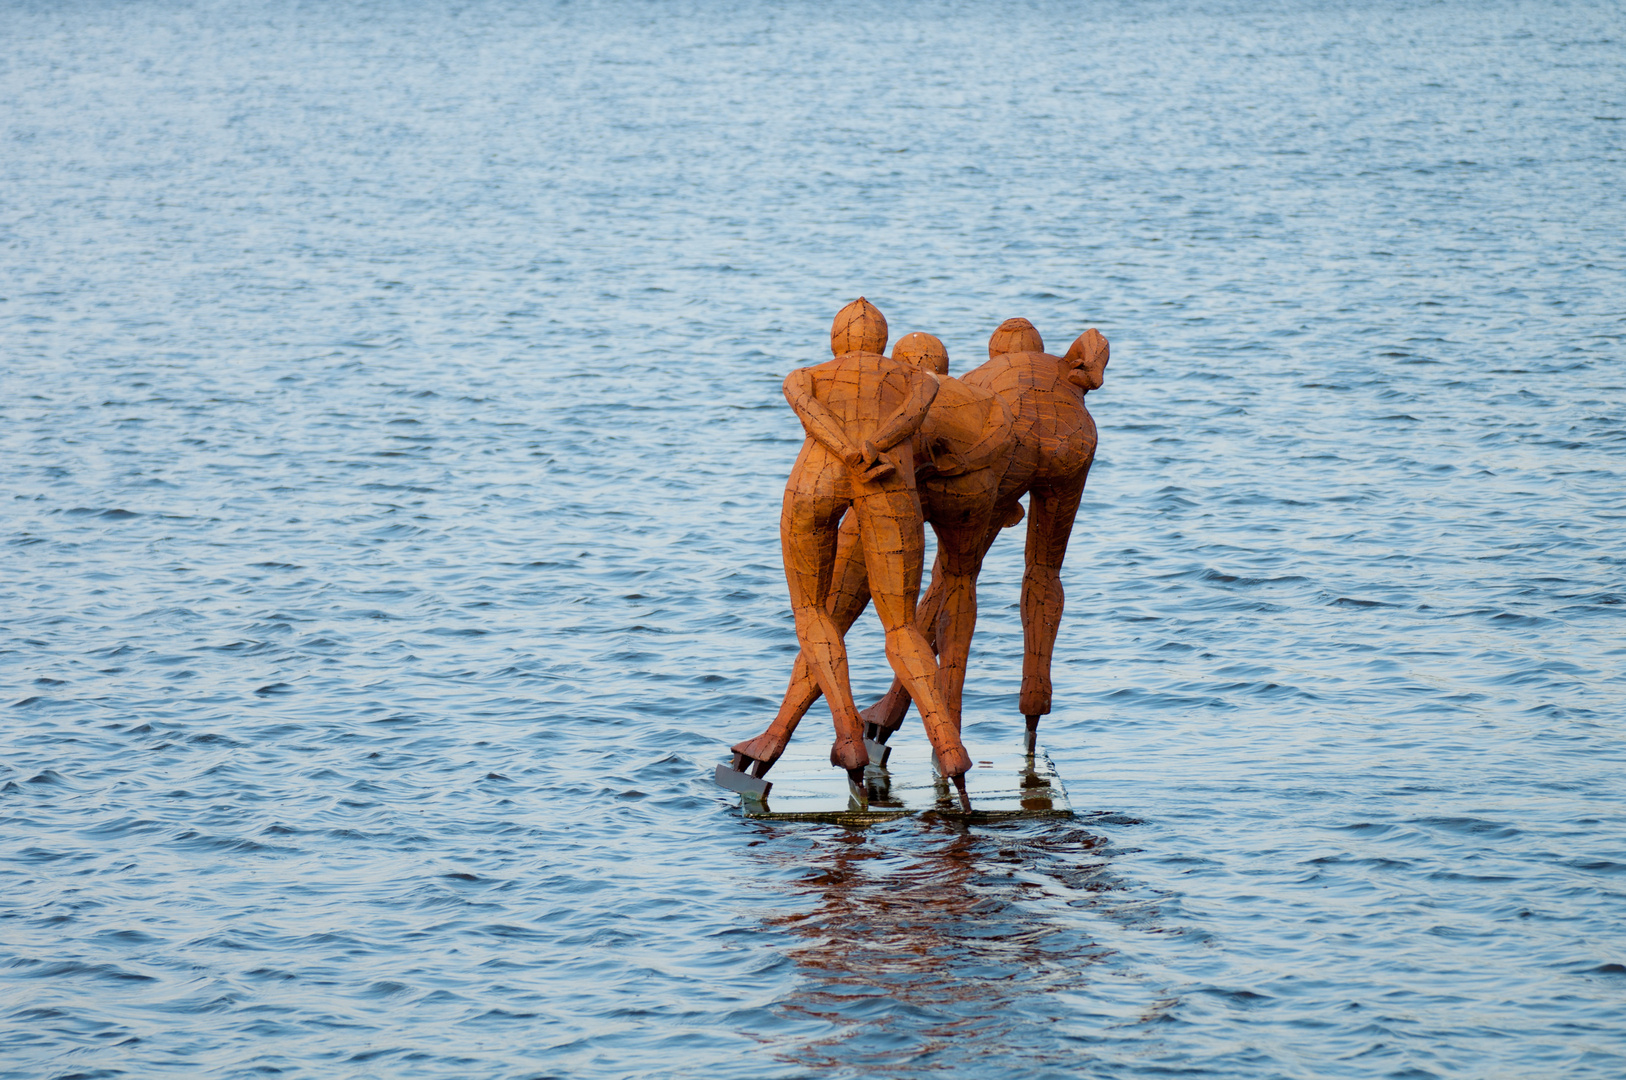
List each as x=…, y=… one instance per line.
x=820, y=423
x=907, y=417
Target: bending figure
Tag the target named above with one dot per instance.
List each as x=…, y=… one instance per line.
x=1055, y=445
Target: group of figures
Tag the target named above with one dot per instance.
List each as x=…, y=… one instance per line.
x=894, y=443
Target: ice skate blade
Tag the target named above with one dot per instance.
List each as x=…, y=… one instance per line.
x=744, y=783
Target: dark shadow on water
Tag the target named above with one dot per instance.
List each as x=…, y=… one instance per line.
x=928, y=945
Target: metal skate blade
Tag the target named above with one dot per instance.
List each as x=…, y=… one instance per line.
x=1001, y=786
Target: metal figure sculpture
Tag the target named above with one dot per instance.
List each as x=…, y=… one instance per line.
x=860, y=411
x=962, y=450
x=1055, y=441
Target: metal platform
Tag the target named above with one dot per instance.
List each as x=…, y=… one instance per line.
x=804, y=786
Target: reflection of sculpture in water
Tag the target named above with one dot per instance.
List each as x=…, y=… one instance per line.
x=860, y=411
x=1055, y=442
x=923, y=943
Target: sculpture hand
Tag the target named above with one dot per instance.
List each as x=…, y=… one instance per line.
x=872, y=466
x=878, y=472
x=948, y=462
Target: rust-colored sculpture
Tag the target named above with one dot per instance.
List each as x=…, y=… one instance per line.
x=1015, y=426
x=860, y=411
x=962, y=448
x=1055, y=440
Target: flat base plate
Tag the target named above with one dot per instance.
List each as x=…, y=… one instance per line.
x=1003, y=785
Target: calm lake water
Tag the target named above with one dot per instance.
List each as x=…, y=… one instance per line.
x=392, y=448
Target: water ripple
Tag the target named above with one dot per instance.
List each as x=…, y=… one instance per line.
x=390, y=401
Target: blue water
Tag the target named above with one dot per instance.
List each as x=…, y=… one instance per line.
x=392, y=448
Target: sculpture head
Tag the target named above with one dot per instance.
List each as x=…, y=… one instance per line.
x=1014, y=335
x=1087, y=359
x=922, y=351
x=859, y=327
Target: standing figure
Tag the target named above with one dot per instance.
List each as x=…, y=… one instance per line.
x=860, y=411
x=1055, y=446
x=961, y=452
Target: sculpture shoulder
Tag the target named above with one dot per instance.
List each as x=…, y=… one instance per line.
x=860, y=385
x=860, y=367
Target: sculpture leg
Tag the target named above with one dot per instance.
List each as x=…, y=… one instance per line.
x=808, y=528
x=849, y=596
x=962, y=509
x=1051, y=510
x=894, y=548
x=957, y=620
x=886, y=715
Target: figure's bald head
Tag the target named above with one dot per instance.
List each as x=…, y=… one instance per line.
x=1014, y=335
x=859, y=327
x=922, y=351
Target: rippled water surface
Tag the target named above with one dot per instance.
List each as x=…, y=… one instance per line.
x=392, y=446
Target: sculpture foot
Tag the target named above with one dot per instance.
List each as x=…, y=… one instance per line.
x=878, y=718
x=954, y=762
x=856, y=788
x=965, y=799
x=1033, y=734
x=759, y=753
x=1034, y=700
x=874, y=719
x=849, y=754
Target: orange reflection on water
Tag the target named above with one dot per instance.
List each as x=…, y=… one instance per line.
x=927, y=941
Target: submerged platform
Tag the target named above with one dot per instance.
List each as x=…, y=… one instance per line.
x=804, y=786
